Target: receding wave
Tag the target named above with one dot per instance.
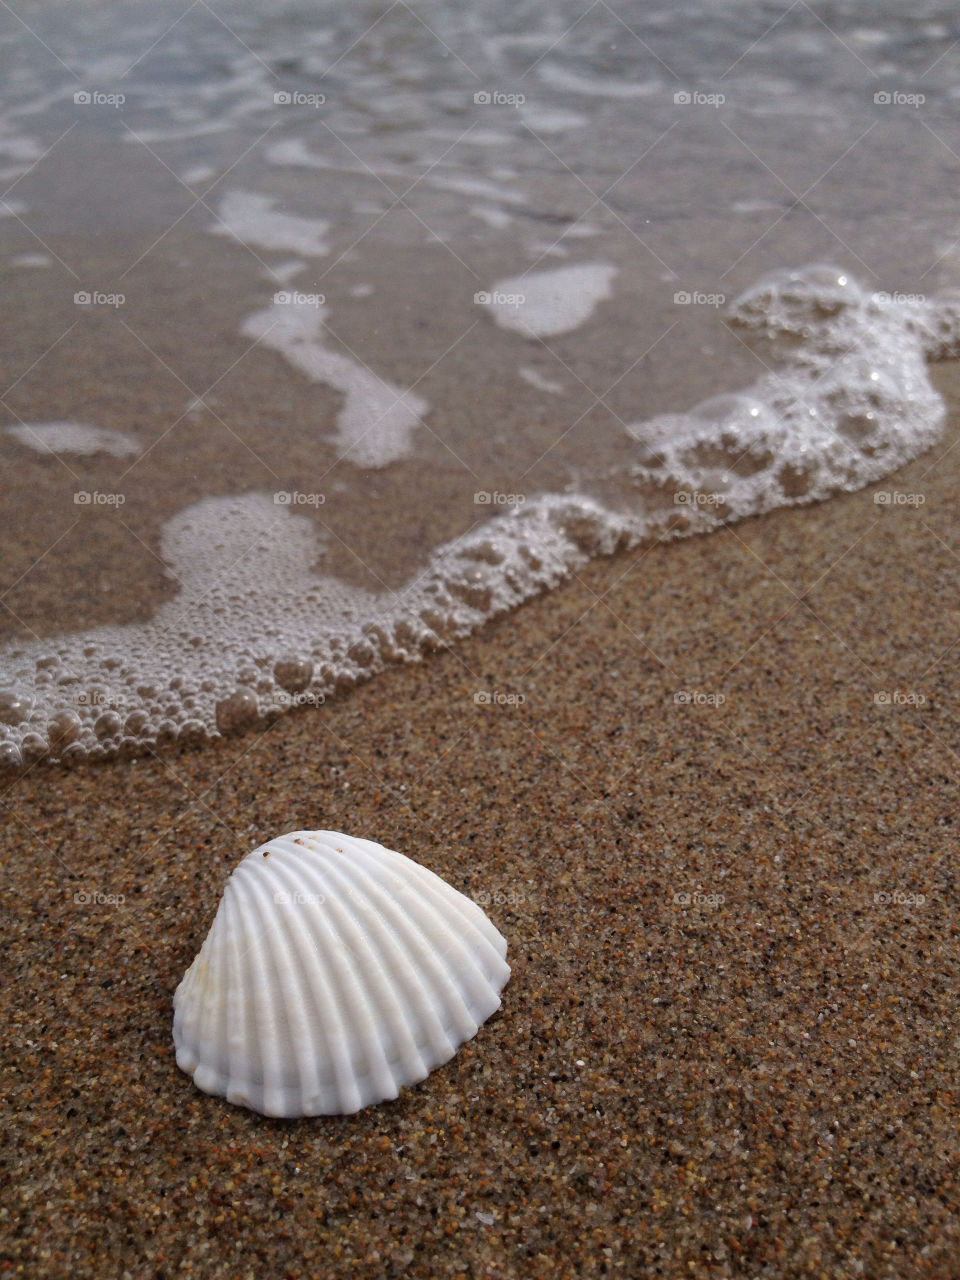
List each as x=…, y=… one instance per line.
x=257, y=628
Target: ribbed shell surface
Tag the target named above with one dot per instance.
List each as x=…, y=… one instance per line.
x=335, y=973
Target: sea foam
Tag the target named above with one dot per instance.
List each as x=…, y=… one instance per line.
x=258, y=628
x=376, y=420
x=540, y=303
x=73, y=437
x=253, y=219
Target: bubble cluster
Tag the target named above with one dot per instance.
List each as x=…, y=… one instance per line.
x=851, y=402
x=256, y=629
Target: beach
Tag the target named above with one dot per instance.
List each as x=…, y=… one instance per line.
x=361, y=365
x=709, y=795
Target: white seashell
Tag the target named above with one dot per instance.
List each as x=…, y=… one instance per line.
x=335, y=972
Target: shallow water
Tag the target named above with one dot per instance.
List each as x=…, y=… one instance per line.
x=332, y=334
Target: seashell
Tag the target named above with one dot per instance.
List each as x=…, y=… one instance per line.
x=335, y=973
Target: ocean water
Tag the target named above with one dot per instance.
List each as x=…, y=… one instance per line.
x=332, y=331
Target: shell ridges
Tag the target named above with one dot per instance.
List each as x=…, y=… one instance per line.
x=336, y=972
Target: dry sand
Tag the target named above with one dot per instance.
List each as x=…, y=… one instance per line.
x=759, y=1079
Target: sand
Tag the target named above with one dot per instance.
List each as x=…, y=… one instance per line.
x=729, y=1045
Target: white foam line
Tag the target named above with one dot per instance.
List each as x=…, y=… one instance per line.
x=377, y=420
x=73, y=437
x=254, y=219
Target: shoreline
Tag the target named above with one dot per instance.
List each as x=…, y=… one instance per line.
x=728, y=1044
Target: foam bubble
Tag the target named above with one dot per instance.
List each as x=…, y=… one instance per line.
x=284, y=272
x=31, y=260
x=557, y=300
x=804, y=303
x=595, y=86
x=73, y=437
x=198, y=173
x=257, y=628
x=548, y=249
x=493, y=217
x=580, y=231
x=537, y=380
x=19, y=147
x=853, y=402
x=253, y=219
x=24, y=152
x=494, y=191
x=552, y=119
x=377, y=420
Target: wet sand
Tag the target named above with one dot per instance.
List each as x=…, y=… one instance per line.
x=729, y=1045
